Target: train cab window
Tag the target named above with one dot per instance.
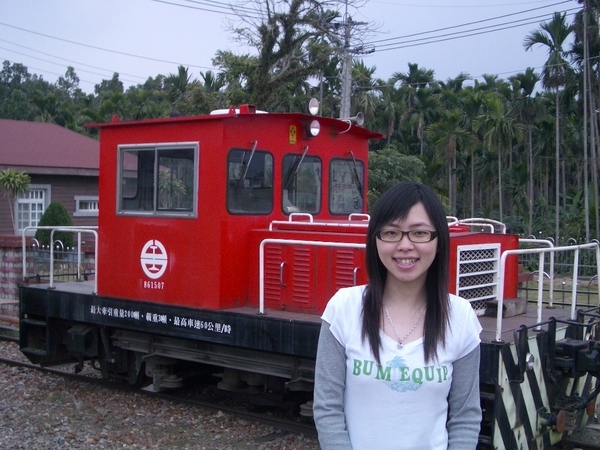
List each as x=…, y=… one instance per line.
x=346, y=193
x=249, y=182
x=158, y=180
x=301, y=189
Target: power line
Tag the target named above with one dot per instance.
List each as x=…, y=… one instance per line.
x=465, y=33
x=148, y=58
x=420, y=5
x=470, y=23
x=246, y=11
x=49, y=72
x=64, y=59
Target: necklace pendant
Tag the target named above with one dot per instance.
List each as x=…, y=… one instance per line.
x=399, y=344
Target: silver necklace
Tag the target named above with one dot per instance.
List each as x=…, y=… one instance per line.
x=400, y=345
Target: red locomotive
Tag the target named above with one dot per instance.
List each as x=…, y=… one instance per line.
x=221, y=239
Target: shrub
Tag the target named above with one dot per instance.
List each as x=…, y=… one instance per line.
x=55, y=215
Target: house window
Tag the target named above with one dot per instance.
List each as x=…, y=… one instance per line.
x=31, y=205
x=86, y=206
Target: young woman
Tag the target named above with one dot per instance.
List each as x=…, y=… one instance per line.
x=398, y=359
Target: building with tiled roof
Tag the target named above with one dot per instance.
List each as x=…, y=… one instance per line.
x=62, y=165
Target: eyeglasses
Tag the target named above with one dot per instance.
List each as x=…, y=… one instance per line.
x=418, y=236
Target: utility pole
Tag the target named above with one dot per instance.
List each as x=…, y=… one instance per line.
x=347, y=53
x=586, y=196
x=346, y=69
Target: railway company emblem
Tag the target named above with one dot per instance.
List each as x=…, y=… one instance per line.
x=154, y=259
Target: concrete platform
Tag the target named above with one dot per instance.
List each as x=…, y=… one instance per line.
x=510, y=307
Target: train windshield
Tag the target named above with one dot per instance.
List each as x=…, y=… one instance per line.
x=346, y=179
x=157, y=180
x=301, y=184
x=249, y=182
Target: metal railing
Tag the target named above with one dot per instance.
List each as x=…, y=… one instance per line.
x=78, y=231
x=542, y=251
x=261, y=263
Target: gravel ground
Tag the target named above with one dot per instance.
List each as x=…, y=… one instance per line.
x=40, y=411
x=45, y=411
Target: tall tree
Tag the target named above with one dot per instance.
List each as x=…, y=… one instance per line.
x=292, y=39
x=448, y=135
x=177, y=84
x=553, y=35
x=13, y=183
x=526, y=82
x=500, y=129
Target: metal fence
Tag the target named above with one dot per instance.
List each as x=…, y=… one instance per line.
x=69, y=264
x=560, y=271
x=57, y=262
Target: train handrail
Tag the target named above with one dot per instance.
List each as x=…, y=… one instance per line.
x=542, y=251
x=261, y=260
x=548, y=243
x=73, y=229
x=351, y=222
x=481, y=221
x=477, y=224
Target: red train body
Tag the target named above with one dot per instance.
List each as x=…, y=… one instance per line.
x=199, y=248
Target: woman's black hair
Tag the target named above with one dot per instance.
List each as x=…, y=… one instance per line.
x=395, y=204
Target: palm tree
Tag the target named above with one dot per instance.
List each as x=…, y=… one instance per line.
x=500, y=129
x=526, y=82
x=448, y=135
x=390, y=106
x=363, y=88
x=177, y=84
x=415, y=78
x=13, y=184
x=471, y=103
x=411, y=82
x=424, y=105
x=553, y=35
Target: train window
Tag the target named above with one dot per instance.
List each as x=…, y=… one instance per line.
x=249, y=182
x=301, y=189
x=346, y=179
x=159, y=180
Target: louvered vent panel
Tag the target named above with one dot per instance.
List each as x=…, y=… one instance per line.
x=343, y=268
x=477, y=274
x=273, y=258
x=301, y=290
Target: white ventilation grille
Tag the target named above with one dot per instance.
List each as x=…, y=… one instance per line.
x=477, y=274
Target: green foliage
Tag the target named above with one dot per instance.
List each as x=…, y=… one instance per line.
x=487, y=147
x=13, y=183
x=388, y=167
x=55, y=215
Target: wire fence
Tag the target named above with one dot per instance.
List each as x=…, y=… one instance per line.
x=559, y=269
x=68, y=265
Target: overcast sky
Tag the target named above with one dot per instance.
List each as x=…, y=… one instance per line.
x=144, y=38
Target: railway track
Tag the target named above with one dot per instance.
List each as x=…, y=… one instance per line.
x=9, y=331
x=281, y=422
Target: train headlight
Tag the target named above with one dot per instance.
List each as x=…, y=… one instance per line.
x=313, y=129
x=313, y=106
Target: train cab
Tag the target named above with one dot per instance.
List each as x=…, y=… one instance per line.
x=180, y=195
